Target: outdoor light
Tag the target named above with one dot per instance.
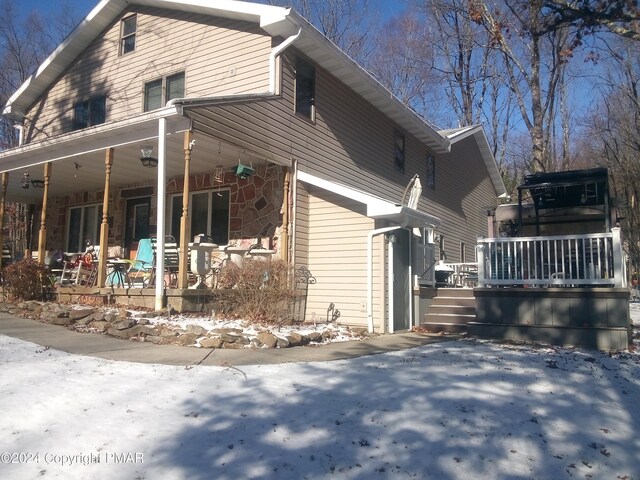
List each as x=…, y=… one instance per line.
x=147, y=158
x=25, y=180
x=37, y=183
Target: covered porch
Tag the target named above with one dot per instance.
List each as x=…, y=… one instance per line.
x=196, y=177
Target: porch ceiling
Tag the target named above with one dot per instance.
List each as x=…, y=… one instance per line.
x=78, y=159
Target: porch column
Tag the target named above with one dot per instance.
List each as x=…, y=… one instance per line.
x=161, y=193
x=480, y=246
x=619, y=277
x=185, y=224
x=104, y=227
x=5, y=182
x=42, y=239
x=284, y=236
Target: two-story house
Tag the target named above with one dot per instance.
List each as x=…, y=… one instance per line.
x=243, y=122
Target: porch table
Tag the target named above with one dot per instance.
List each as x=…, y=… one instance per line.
x=118, y=274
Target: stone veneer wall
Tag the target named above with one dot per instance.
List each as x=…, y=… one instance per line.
x=255, y=206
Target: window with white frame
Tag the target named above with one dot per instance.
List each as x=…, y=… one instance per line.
x=305, y=89
x=158, y=92
x=128, y=27
x=83, y=224
x=209, y=215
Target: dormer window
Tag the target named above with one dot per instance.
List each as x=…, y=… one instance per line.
x=128, y=34
x=305, y=89
x=89, y=112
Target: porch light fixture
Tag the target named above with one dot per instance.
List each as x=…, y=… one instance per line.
x=37, y=183
x=147, y=159
x=25, y=180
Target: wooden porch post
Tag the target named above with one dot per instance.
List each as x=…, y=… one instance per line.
x=284, y=237
x=42, y=239
x=104, y=227
x=5, y=182
x=185, y=224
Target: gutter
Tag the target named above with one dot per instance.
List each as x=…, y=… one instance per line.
x=273, y=56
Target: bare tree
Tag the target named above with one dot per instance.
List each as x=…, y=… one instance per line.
x=345, y=22
x=615, y=133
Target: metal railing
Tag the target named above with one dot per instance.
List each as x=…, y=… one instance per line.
x=592, y=260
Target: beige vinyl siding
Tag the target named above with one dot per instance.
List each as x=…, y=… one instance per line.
x=218, y=57
x=301, y=226
x=337, y=245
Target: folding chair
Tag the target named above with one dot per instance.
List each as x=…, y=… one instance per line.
x=142, y=266
x=171, y=260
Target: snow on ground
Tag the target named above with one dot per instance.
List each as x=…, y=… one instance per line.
x=454, y=410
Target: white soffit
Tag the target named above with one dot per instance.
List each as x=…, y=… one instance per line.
x=377, y=208
x=100, y=137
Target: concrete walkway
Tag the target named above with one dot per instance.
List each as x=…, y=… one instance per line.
x=110, y=348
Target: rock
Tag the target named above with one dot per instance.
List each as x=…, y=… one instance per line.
x=232, y=346
x=124, y=324
x=267, y=339
x=360, y=331
x=101, y=326
x=119, y=333
x=197, y=329
x=86, y=320
x=131, y=332
x=98, y=316
x=211, y=342
x=297, y=340
x=282, y=342
x=80, y=313
x=229, y=338
x=111, y=317
x=227, y=330
x=315, y=337
x=186, y=339
x=143, y=321
x=154, y=339
x=61, y=321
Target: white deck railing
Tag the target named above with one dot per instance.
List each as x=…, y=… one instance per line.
x=563, y=260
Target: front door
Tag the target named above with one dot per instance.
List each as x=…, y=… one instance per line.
x=137, y=221
x=401, y=280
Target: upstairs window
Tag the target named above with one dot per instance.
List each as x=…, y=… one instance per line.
x=431, y=172
x=89, y=112
x=305, y=89
x=158, y=92
x=128, y=34
x=398, y=153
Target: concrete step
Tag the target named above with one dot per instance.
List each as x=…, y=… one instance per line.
x=458, y=318
x=459, y=301
x=443, y=327
x=455, y=292
x=453, y=308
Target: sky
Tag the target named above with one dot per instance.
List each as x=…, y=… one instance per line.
x=457, y=410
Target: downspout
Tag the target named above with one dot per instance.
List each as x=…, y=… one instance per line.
x=20, y=129
x=294, y=211
x=370, y=236
x=160, y=207
x=273, y=56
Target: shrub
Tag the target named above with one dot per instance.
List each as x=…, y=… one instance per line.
x=25, y=280
x=256, y=291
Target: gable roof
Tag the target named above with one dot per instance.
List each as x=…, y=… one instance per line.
x=455, y=135
x=276, y=21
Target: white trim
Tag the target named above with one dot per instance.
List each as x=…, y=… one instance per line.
x=377, y=208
